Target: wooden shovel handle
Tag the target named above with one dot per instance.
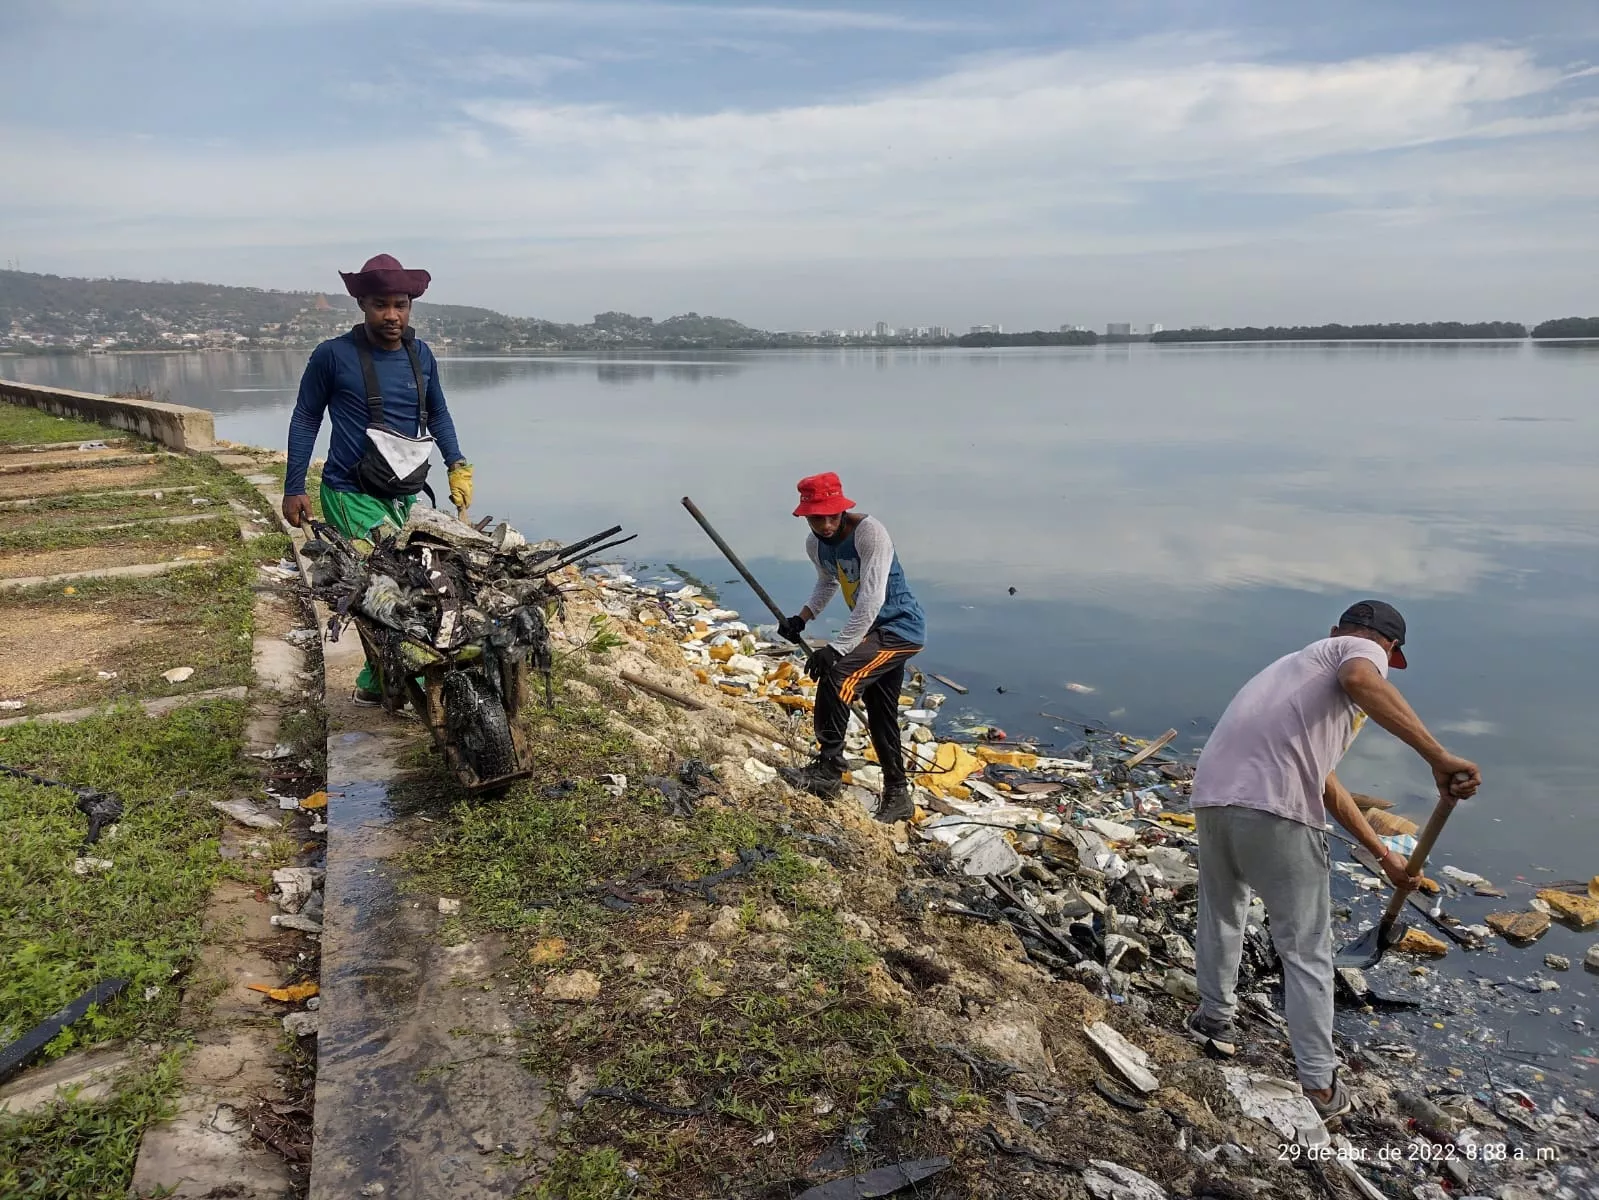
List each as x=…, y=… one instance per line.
x=1418, y=856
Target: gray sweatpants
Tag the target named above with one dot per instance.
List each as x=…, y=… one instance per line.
x=1287, y=864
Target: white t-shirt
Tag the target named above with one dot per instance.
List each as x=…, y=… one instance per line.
x=1284, y=733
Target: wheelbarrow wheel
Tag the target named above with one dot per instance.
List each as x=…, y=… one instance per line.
x=477, y=726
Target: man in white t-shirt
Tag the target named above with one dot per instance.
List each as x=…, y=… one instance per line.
x=1262, y=792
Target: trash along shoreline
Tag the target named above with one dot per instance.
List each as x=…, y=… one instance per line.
x=1029, y=932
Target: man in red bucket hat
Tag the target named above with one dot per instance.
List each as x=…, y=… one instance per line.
x=380, y=385
x=852, y=552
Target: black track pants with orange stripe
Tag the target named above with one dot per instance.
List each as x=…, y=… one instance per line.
x=873, y=673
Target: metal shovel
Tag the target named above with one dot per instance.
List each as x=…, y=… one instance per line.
x=1367, y=950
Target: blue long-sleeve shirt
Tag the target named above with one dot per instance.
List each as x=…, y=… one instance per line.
x=333, y=383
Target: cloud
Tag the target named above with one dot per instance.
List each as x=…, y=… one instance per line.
x=1160, y=146
x=612, y=14
x=769, y=16
x=1468, y=727
x=536, y=69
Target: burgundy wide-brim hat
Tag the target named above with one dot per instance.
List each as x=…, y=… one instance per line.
x=822, y=496
x=382, y=275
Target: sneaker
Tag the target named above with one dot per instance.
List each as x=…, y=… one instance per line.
x=1336, y=1106
x=1220, y=1036
x=365, y=699
x=818, y=778
x=896, y=804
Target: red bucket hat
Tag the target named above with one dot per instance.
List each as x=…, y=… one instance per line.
x=382, y=275
x=822, y=496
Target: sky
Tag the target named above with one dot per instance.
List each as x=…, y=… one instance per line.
x=804, y=166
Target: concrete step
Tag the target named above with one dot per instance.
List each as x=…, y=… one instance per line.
x=158, y=707
x=80, y=464
x=135, y=571
x=30, y=501
x=47, y=447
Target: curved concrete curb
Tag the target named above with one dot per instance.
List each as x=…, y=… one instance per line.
x=174, y=425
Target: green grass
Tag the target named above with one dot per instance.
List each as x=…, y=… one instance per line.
x=597, y=1174
x=21, y=426
x=142, y=920
x=199, y=616
x=757, y=1034
x=61, y=932
x=86, y=1151
x=220, y=531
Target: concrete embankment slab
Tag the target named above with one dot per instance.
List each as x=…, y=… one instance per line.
x=158, y=707
x=419, y=1085
x=135, y=570
x=175, y=425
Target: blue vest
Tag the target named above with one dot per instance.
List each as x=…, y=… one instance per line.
x=900, y=615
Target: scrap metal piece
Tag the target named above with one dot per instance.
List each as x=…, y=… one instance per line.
x=31, y=1044
x=705, y=886
x=1119, y=1098
x=881, y=1181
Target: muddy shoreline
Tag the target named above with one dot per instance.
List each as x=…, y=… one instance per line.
x=1450, y=1113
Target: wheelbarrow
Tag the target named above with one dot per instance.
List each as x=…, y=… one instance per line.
x=468, y=698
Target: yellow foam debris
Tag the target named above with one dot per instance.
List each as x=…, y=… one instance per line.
x=315, y=800
x=952, y=764
x=547, y=950
x=786, y=670
x=702, y=674
x=701, y=601
x=1593, y=887
x=723, y=653
x=1185, y=820
x=1580, y=911
x=733, y=691
x=289, y=995
x=1388, y=824
x=1416, y=941
x=1009, y=758
x=794, y=702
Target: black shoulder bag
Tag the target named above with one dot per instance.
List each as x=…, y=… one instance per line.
x=393, y=464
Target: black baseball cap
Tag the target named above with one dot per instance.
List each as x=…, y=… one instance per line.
x=1379, y=618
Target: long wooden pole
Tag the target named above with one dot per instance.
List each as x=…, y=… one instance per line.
x=697, y=705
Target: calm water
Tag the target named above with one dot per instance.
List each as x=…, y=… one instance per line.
x=1171, y=520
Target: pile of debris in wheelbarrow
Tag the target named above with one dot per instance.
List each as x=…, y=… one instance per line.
x=452, y=618
x=1089, y=852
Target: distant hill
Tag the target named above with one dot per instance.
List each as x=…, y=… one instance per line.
x=1399, y=331
x=52, y=312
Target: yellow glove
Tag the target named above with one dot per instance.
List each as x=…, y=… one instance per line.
x=461, y=485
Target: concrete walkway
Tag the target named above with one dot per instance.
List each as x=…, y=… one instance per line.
x=419, y=1087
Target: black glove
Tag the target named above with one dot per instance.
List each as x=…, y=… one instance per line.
x=792, y=627
x=821, y=661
